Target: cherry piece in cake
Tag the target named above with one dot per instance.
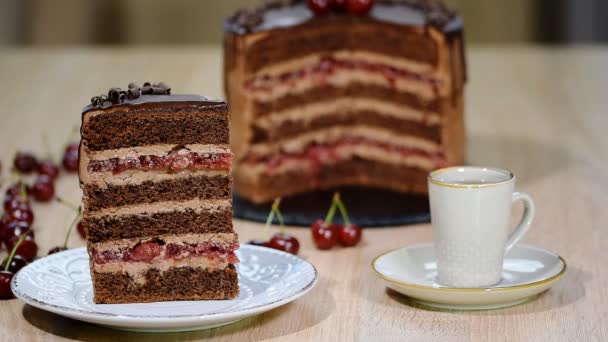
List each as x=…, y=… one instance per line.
x=146, y=251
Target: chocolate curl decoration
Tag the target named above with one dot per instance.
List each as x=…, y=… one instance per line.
x=118, y=96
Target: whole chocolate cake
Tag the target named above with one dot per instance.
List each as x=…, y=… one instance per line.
x=155, y=173
x=343, y=96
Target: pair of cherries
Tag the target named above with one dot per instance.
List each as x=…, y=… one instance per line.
x=326, y=234
x=357, y=7
x=281, y=240
x=43, y=189
x=17, y=220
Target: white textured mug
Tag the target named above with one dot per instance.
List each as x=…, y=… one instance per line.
x=471, y=215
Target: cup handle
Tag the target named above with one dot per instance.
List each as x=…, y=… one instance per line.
x=526, y=219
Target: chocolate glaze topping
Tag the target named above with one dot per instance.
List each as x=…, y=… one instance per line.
x=284, y=13
x=149, y=93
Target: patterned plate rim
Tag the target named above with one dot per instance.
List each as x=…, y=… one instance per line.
x=215, y=315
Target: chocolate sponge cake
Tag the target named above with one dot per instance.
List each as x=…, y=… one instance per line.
x=336, y=99
x=155, y=174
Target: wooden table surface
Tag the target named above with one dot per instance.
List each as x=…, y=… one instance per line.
x=541, y=112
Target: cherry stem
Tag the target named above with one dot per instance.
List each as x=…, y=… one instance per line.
x=68, y=204
x=269, y=220
x=14, y=250
x=342, y=208
x=47, y=146
x=73, y=134
x=332, y=211
x=22, y=190
x=275, y=208
x=67, y=236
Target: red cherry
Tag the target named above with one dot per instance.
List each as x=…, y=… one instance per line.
x=44, y=189
x=5, y=285
x=14, y=229
x=16, y=264
x=284, y=242
x=57, y=249
x=27, y=249
x=70, y=157
x=261, y=243
x=81, y=231
x=146, y=251
x=48, y=168
x=323, y=236
x=320, y=7
x=22, y=212
x=14, y=203
x=25, y=162
x=338, y=5
x=14, y=191
x=359, y=7
x=349, y=235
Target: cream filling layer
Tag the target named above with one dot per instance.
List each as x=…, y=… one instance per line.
x=310, y=112
x=155, y=150
x=342, y=78
x=254, y=171
x=332, y=134
x=116, y=245
x=136, y=177
x=208, y=206
x=137, y=270
x=276, y=69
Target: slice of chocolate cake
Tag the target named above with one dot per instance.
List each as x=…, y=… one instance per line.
x=155, y=174
x=336, y=98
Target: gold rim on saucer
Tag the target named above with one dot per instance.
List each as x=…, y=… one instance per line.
x=467, y=289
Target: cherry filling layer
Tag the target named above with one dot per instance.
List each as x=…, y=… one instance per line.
x=330, y=65
x=318, y=155
x=173, y=162
x=159, y=250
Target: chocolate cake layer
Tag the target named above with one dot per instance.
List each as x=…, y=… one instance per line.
x=180, y=189
x=292, y=128
x=354, y=172
x=358, y=90
x=328, y=35
x=110, y=227
x=142, y=126
x=183, y=283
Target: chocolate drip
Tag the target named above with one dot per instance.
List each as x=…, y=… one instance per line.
x=260, y=18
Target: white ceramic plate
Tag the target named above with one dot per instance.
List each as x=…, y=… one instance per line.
x=61, y=283
x=412, y=271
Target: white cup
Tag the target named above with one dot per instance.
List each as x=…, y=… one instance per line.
x=471, y=214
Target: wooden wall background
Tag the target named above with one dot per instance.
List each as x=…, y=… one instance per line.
x=68, y=22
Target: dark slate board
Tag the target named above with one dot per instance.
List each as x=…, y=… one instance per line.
x=366, y=207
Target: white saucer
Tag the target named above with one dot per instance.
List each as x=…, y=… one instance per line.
x=61, y=283
x=527, y=272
